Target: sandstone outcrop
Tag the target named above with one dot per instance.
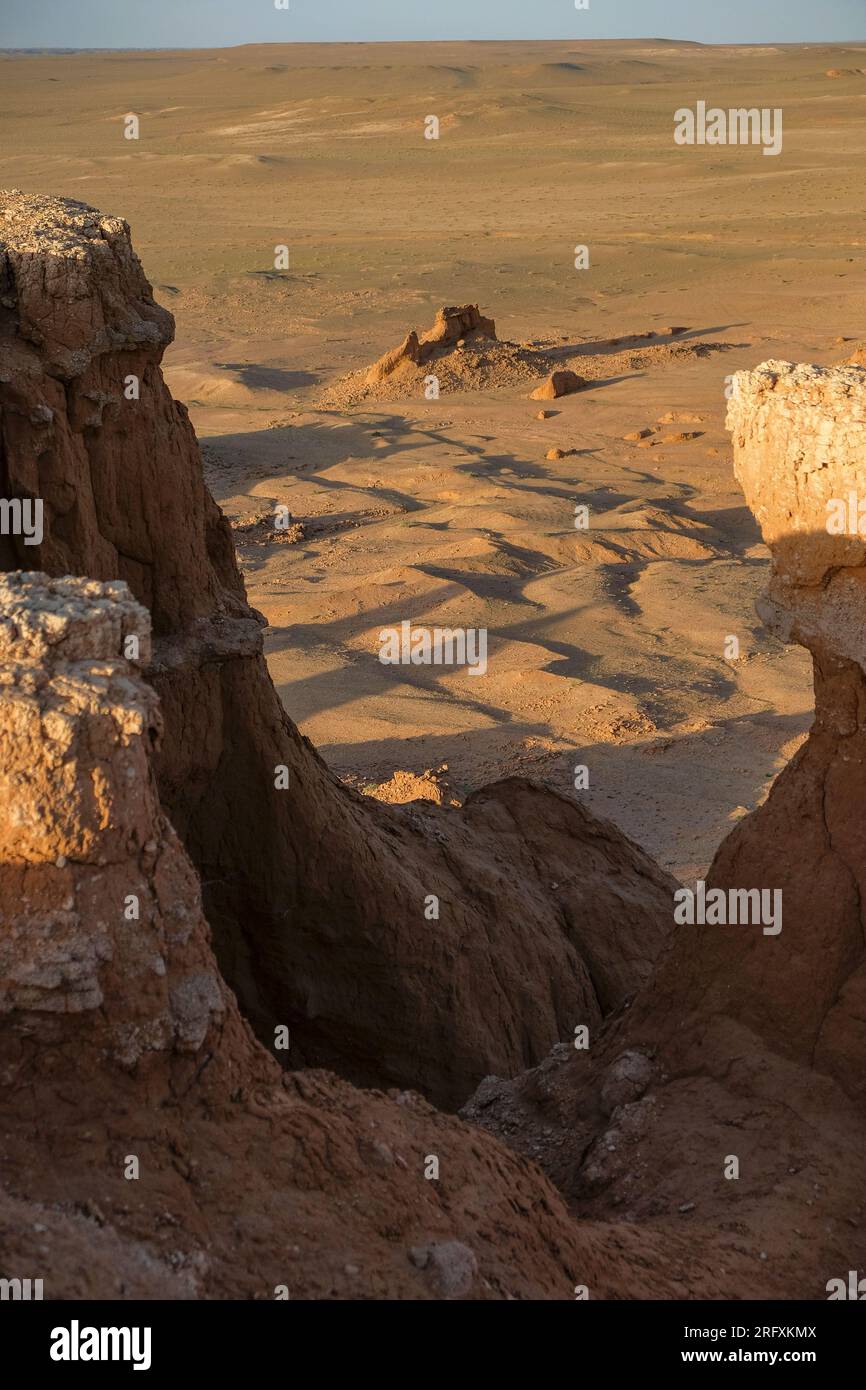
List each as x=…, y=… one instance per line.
x=750, y=1044
x=318, y=899
x=799, y=438
x=450, y=327
x=103, y=947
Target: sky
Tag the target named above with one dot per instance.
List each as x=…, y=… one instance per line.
x=218, y=23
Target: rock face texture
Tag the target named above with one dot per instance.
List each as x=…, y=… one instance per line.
x=320, y=901
x=748, y=1044
x=104, y=946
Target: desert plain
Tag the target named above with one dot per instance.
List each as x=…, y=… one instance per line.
x=608, y=646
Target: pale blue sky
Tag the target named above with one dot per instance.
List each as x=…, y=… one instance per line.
x=215, y=23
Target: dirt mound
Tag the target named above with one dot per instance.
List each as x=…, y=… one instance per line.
x=261, y=528
x=478, y=364
x=750, y=1037
x=321, y=902
x=429, y=785
x=634, y=535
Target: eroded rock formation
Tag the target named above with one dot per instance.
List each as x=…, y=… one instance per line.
x=450, y=326
x=750, y=1044
x=316, y=896
x=150, y=1146
x=799, y=437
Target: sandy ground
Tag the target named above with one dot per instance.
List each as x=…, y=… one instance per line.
x=607, y=646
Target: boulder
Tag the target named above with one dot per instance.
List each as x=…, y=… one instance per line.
x=558, y=384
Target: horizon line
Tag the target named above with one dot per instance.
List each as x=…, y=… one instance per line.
x=369, y=43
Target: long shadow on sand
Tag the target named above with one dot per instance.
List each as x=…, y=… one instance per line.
x=726, y=768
